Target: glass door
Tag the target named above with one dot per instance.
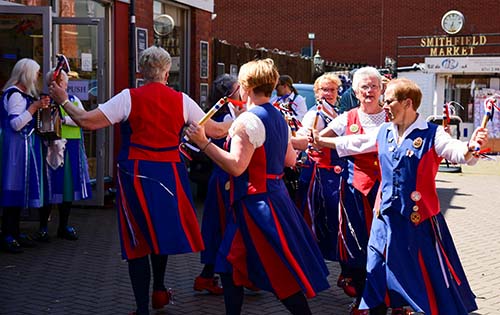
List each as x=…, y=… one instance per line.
x=81, y=40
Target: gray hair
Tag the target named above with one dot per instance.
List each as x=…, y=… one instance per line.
x=25, y=72
x=50, y=75
x=365, y=72
x=153, y=63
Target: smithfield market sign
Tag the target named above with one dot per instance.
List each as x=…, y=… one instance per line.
x=414, y=49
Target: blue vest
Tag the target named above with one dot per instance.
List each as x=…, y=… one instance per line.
x=408, y=173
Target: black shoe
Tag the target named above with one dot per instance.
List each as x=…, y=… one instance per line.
x=42, y=236
x=10, y=245
x=26, y=241
x=68, y=233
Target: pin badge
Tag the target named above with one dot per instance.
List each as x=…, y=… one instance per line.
x=409, y=153
x=354, y=128
x=417, y=143
x=415, y=196
x=337, y=169
x=415, y=208
x=415, y=217
x=227, y=185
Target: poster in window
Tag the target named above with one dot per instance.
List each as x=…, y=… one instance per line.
x=204, y=96
x=141, y=42
x=203, y=60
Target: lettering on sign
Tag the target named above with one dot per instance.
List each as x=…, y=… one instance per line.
x=441, y=46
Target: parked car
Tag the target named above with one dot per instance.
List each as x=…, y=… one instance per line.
x=306, y=91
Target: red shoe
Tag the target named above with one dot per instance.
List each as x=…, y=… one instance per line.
x=345, y=284
x=160, y=298
x=209, y=284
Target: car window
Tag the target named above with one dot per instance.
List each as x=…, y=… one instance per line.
x=306, y=91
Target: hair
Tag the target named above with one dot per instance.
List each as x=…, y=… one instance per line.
x=25, y=72
x=287, y=80
x=330, y=77
x=365, y=72
x=405, y=88
x=154, y=62
x=63, y=76
x=222, y=86
x=261, y=76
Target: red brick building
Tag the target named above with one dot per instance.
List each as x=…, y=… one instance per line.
x=348, y=31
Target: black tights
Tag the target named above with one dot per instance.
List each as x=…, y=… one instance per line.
x=64, y=211
x=208, y=271
x=233, y=298
x=140, y=277
x=11, y=219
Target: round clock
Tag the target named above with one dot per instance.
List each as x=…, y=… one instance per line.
x=452, y=21
x=163, y=24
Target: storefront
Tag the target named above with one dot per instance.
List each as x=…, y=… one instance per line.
x=95, y=36
x=463, y=68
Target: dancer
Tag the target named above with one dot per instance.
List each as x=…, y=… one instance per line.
x=411, y=255
x=267, y=243
x=155, y=207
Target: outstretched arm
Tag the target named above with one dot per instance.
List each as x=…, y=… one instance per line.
x=94, y=119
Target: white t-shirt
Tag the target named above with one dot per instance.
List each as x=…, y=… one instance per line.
x=117, y=109
x=451, y=149
x=298, y=104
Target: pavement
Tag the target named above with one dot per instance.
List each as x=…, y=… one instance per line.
x=88, y=276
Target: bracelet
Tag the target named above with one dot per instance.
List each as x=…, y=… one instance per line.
x=66, y=101
x=206, y=145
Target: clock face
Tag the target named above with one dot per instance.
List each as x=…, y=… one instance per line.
x=452, y=22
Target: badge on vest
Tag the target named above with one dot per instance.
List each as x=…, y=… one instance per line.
x=227, y=185
x=354, y=128
x=415, y=196
x=415, y=217
x=417, y=143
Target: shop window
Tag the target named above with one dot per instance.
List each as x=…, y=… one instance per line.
x=463, y=89
x=21, y=37
x=170, y=34
x=80, y=8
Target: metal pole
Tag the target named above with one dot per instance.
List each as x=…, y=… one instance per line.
x=132, y=59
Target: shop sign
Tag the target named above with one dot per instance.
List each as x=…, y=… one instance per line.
x=452, y=46
x=463, y=64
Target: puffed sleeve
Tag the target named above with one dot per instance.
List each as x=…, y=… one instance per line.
x=250, y=124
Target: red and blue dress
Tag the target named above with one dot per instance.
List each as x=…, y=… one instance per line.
x=155, y=207
x=267, y=243
x=319, y=187
x=412, y=259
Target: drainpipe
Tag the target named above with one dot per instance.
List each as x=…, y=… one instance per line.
x=132, y=59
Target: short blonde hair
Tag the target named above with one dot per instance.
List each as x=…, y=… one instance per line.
x=261, y=76
x=153, y=63
x=329, y=77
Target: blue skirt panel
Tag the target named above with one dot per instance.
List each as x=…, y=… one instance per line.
x=215, y=214
x=268, y=244
x=420, y=265
x=70, y=182
x=155, y=209
x=22, y=169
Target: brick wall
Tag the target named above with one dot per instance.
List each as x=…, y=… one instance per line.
x=347, y=31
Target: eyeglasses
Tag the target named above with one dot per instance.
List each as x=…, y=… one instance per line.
x=367, y=87
x=326, y=90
